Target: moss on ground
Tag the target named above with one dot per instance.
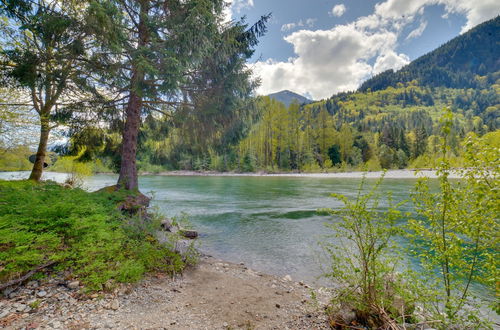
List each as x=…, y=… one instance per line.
x=83, y=232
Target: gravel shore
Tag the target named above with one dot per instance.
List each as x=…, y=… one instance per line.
x=212, y=295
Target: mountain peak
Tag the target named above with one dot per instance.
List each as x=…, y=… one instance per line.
x=287, y=97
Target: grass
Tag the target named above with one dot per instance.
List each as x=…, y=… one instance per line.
x=83, y=232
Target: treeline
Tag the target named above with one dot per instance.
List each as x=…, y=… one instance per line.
x=392, y=128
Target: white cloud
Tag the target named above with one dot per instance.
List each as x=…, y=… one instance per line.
x=288, y=27
x=309, y=22
x=338, y=10
x=329, y=61
x=418, y=31
x=235, y=6
x=475, y=11
x=390, y=60
x=339, y=59
x=238, y=5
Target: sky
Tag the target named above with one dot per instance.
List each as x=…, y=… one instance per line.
x=318, y=48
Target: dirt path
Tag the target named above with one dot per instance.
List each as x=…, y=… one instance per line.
x=212, y=295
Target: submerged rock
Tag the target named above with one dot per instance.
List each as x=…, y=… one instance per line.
x=189, y=233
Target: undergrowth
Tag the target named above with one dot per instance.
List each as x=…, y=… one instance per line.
x=82, y=232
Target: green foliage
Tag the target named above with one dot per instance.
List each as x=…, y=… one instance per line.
x=77, y=171
x=247, y=164
x=15, y=159
x=82, y=231
x=454, y=237
x=361, y=258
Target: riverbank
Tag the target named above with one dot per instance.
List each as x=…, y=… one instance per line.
x=391, y=174
x=211, y=295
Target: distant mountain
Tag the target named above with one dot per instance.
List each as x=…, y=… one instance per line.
x=288, y=97
x=454, y=65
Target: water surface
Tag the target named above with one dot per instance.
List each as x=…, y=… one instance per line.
x=269, y=223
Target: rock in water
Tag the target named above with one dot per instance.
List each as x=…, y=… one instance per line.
x=189, y=233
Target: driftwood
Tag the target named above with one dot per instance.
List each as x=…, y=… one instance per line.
x=26, y=276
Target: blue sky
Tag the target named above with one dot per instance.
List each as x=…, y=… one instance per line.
x=320, y=47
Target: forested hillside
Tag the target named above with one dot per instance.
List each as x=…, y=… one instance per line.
x=455, y=64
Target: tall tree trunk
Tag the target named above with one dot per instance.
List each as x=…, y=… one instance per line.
x=128, y=168
x=36, y=172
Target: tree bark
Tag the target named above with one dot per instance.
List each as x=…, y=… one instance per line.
x=128, y=168
x=36, y=172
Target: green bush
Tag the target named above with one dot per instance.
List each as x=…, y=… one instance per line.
x=83, y=232
x=455, y=239
x=362, y=261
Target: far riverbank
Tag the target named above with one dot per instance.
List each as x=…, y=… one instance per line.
x=391, y=174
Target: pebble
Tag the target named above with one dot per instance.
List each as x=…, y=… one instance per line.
x=19, y=307
x=41, y=293
x=287, y=278
x=74, y=285
x=4, y=313
x=55, y=324
x=114, y=304
x=7, y=291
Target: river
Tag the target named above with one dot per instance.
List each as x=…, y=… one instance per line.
x=269, y=223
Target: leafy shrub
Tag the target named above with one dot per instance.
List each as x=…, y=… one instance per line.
x=361, y=262
x=77, y=171
x=83, y=232
x=455, y=238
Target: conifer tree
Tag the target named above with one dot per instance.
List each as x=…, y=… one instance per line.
x=163, y=70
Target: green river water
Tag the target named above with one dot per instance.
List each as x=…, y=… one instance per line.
x=269, y=223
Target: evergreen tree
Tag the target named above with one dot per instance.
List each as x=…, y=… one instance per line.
x=167, y=47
